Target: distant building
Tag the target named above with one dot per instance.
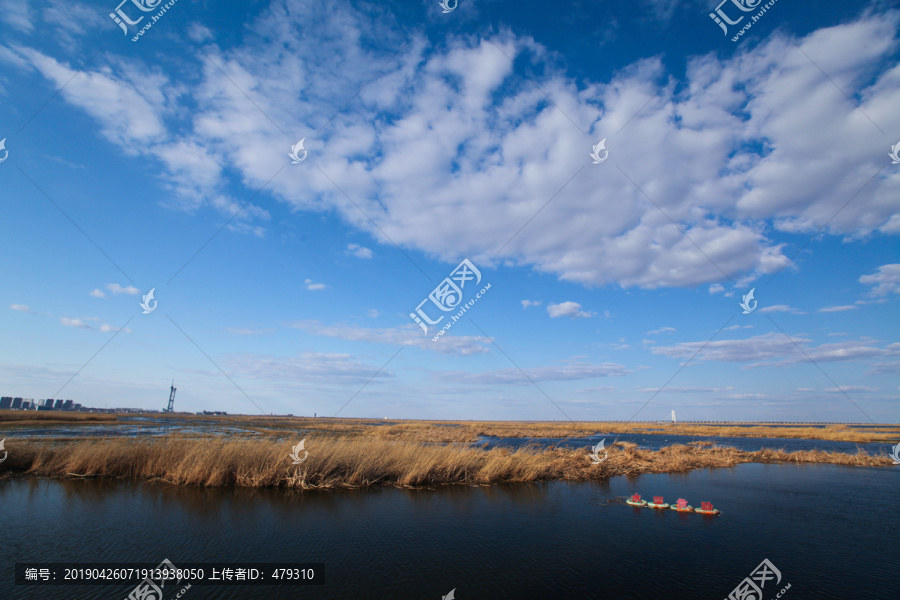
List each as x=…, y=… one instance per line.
x=58, y=405
x=46, y=404
x=68, y=405
x=6, y=402
x=28, y=404
x=17, y=403
x=77, y=407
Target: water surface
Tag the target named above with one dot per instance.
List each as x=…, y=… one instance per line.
x=830, y=530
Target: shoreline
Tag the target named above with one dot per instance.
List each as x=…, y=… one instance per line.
x=465, y=431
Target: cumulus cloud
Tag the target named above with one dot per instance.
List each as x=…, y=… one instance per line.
x=527, y=303
x=115, y=288
x=22, y=308
x=661, y=330
x=838, y=308
x=74, y=323
x=567, y=309
x=782, y=308
x=359, y=251
x=720, y=150
x=886, y=280
x=97, y=293
x=314, y=286
x=775, y=349
x=406, y=335
x=83, y=323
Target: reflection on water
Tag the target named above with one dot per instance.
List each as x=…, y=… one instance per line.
x=830, y=530
x=655, y=442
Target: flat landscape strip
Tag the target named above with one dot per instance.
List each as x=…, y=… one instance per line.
x=467, y=431
x=361, y=461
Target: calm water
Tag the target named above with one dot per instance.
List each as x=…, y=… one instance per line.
x=655, y=442
x=831, y=531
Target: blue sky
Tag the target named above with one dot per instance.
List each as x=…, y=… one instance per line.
x=430, y=138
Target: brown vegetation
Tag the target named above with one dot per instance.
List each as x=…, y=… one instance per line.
x=362, y=461
x=30, y=417
x=469, y=431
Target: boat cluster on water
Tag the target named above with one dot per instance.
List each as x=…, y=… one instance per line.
x=706, y=508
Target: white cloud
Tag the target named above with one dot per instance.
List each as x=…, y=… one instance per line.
x=359, y=251
x=246, y=331
x=782, y=308
x=886, y=280
x=567, y=309
x=115, y=288
x=314, y=286
x=16, y=14
x=600, y=389
x=74, y=323
x=687, y=389
x=407, y=335
x=838, y=308
x=315, y=367
x=885, y=368
x=775, y=349
x=661, y=330
x=851, y=389
x=97, y=293
x=572, y=372
x=488, y=151
x=22, y=308
x=199, y=33
x=716, y=288
x=371, y=312
x=527, y=303
x=109, y=328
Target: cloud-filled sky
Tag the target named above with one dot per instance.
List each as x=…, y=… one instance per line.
x=602, y=282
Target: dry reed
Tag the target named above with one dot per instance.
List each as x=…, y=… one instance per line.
x=363, y=461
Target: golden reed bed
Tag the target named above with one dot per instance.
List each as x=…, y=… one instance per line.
x=365, y=461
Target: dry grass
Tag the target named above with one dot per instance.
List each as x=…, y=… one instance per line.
x=469, y=431
x=24, y=417
x=426, y=431
x=361, y=461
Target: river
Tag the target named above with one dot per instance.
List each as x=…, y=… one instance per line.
x=830, y=530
